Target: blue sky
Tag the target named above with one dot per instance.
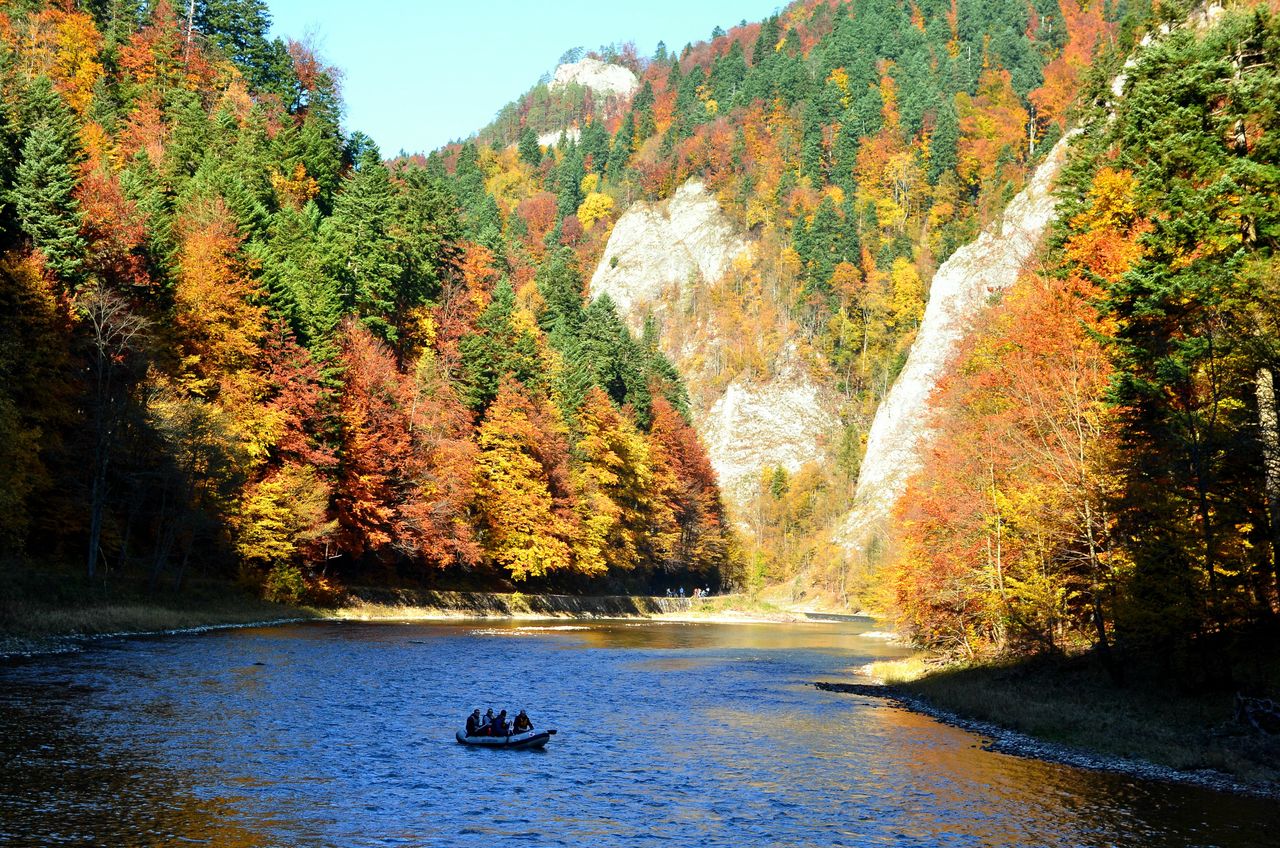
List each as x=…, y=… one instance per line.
x=418, y=74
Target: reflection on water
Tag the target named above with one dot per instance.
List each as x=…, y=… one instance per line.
x=688, y=734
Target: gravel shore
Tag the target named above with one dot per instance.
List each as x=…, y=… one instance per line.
x=997, y=738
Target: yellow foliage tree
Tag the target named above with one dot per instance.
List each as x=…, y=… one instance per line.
x=618, y=481
x=908, y=293
x=526, y=534
x=594, y=208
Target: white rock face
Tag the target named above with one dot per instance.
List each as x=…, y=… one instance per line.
x=548, y=139
x=656, y=246
x=597, y=76
x=657, y=254
x=900, y=433
x=756, y=425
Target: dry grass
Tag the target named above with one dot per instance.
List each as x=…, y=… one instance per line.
x=896, y=672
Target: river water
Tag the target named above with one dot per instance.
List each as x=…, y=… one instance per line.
x=669, y=734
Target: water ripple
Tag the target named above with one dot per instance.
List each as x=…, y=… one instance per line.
x=670, y=734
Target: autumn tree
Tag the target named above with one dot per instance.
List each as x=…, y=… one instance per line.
x=524, y=497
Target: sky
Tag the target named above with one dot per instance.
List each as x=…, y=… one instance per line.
x=419, y=74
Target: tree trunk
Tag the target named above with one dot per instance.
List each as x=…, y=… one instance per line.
x=101, y=453
x=1269, y=435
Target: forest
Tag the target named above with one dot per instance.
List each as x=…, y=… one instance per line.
x=859, y=145
x=1106, y=471
x=225, y=312
x=238, y=339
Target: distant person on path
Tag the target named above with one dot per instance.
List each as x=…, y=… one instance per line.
x=682, y=591
x=522, y=723
x=473, y=723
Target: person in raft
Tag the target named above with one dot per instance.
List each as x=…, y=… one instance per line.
x=522, y=723
x=499, y=726
x=473, y=723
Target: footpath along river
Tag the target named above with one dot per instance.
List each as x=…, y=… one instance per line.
x=670, y=734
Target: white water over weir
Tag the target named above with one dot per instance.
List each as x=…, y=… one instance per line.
x=901, y=432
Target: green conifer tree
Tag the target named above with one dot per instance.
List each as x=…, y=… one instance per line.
x=528, y=148
x=44, y=201
x=362, y=253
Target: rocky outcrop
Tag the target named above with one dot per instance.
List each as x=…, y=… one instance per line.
x=900, y=433
x=597, y=76
x=550, y=138
x=657, y=247
x=756, y=424
x=657, y=256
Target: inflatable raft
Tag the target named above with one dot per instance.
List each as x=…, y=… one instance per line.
x=529, y=739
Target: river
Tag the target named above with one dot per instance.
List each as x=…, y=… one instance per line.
x=669, y=734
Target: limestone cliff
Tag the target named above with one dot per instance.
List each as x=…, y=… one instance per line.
x=659, y=257
x=898, y=442
x=785, y=421
x=900, y=433
x=598, y=76
x=611, y=84
x=656, y=248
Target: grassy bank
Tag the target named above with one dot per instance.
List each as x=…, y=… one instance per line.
x=41, y=608
x=44, y=608
x=1073, y=703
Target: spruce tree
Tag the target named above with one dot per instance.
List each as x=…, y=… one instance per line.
x=943, y=141
x=497, y=349
x=432, y=227
x=44, y=202
x=240, y=28
x=528, y=148
x=362, y=252
x=560, y=284
x=811, y=164
x=569, y=181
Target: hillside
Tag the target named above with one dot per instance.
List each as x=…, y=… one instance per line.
x=1104, y=469
x=238, y=341
x=781, y=196
x=837, y=152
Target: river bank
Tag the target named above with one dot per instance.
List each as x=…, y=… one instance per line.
x=53, y=612
x=49, y=614
x=1068, y=712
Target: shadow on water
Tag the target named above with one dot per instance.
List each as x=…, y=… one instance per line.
x=684, y=734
